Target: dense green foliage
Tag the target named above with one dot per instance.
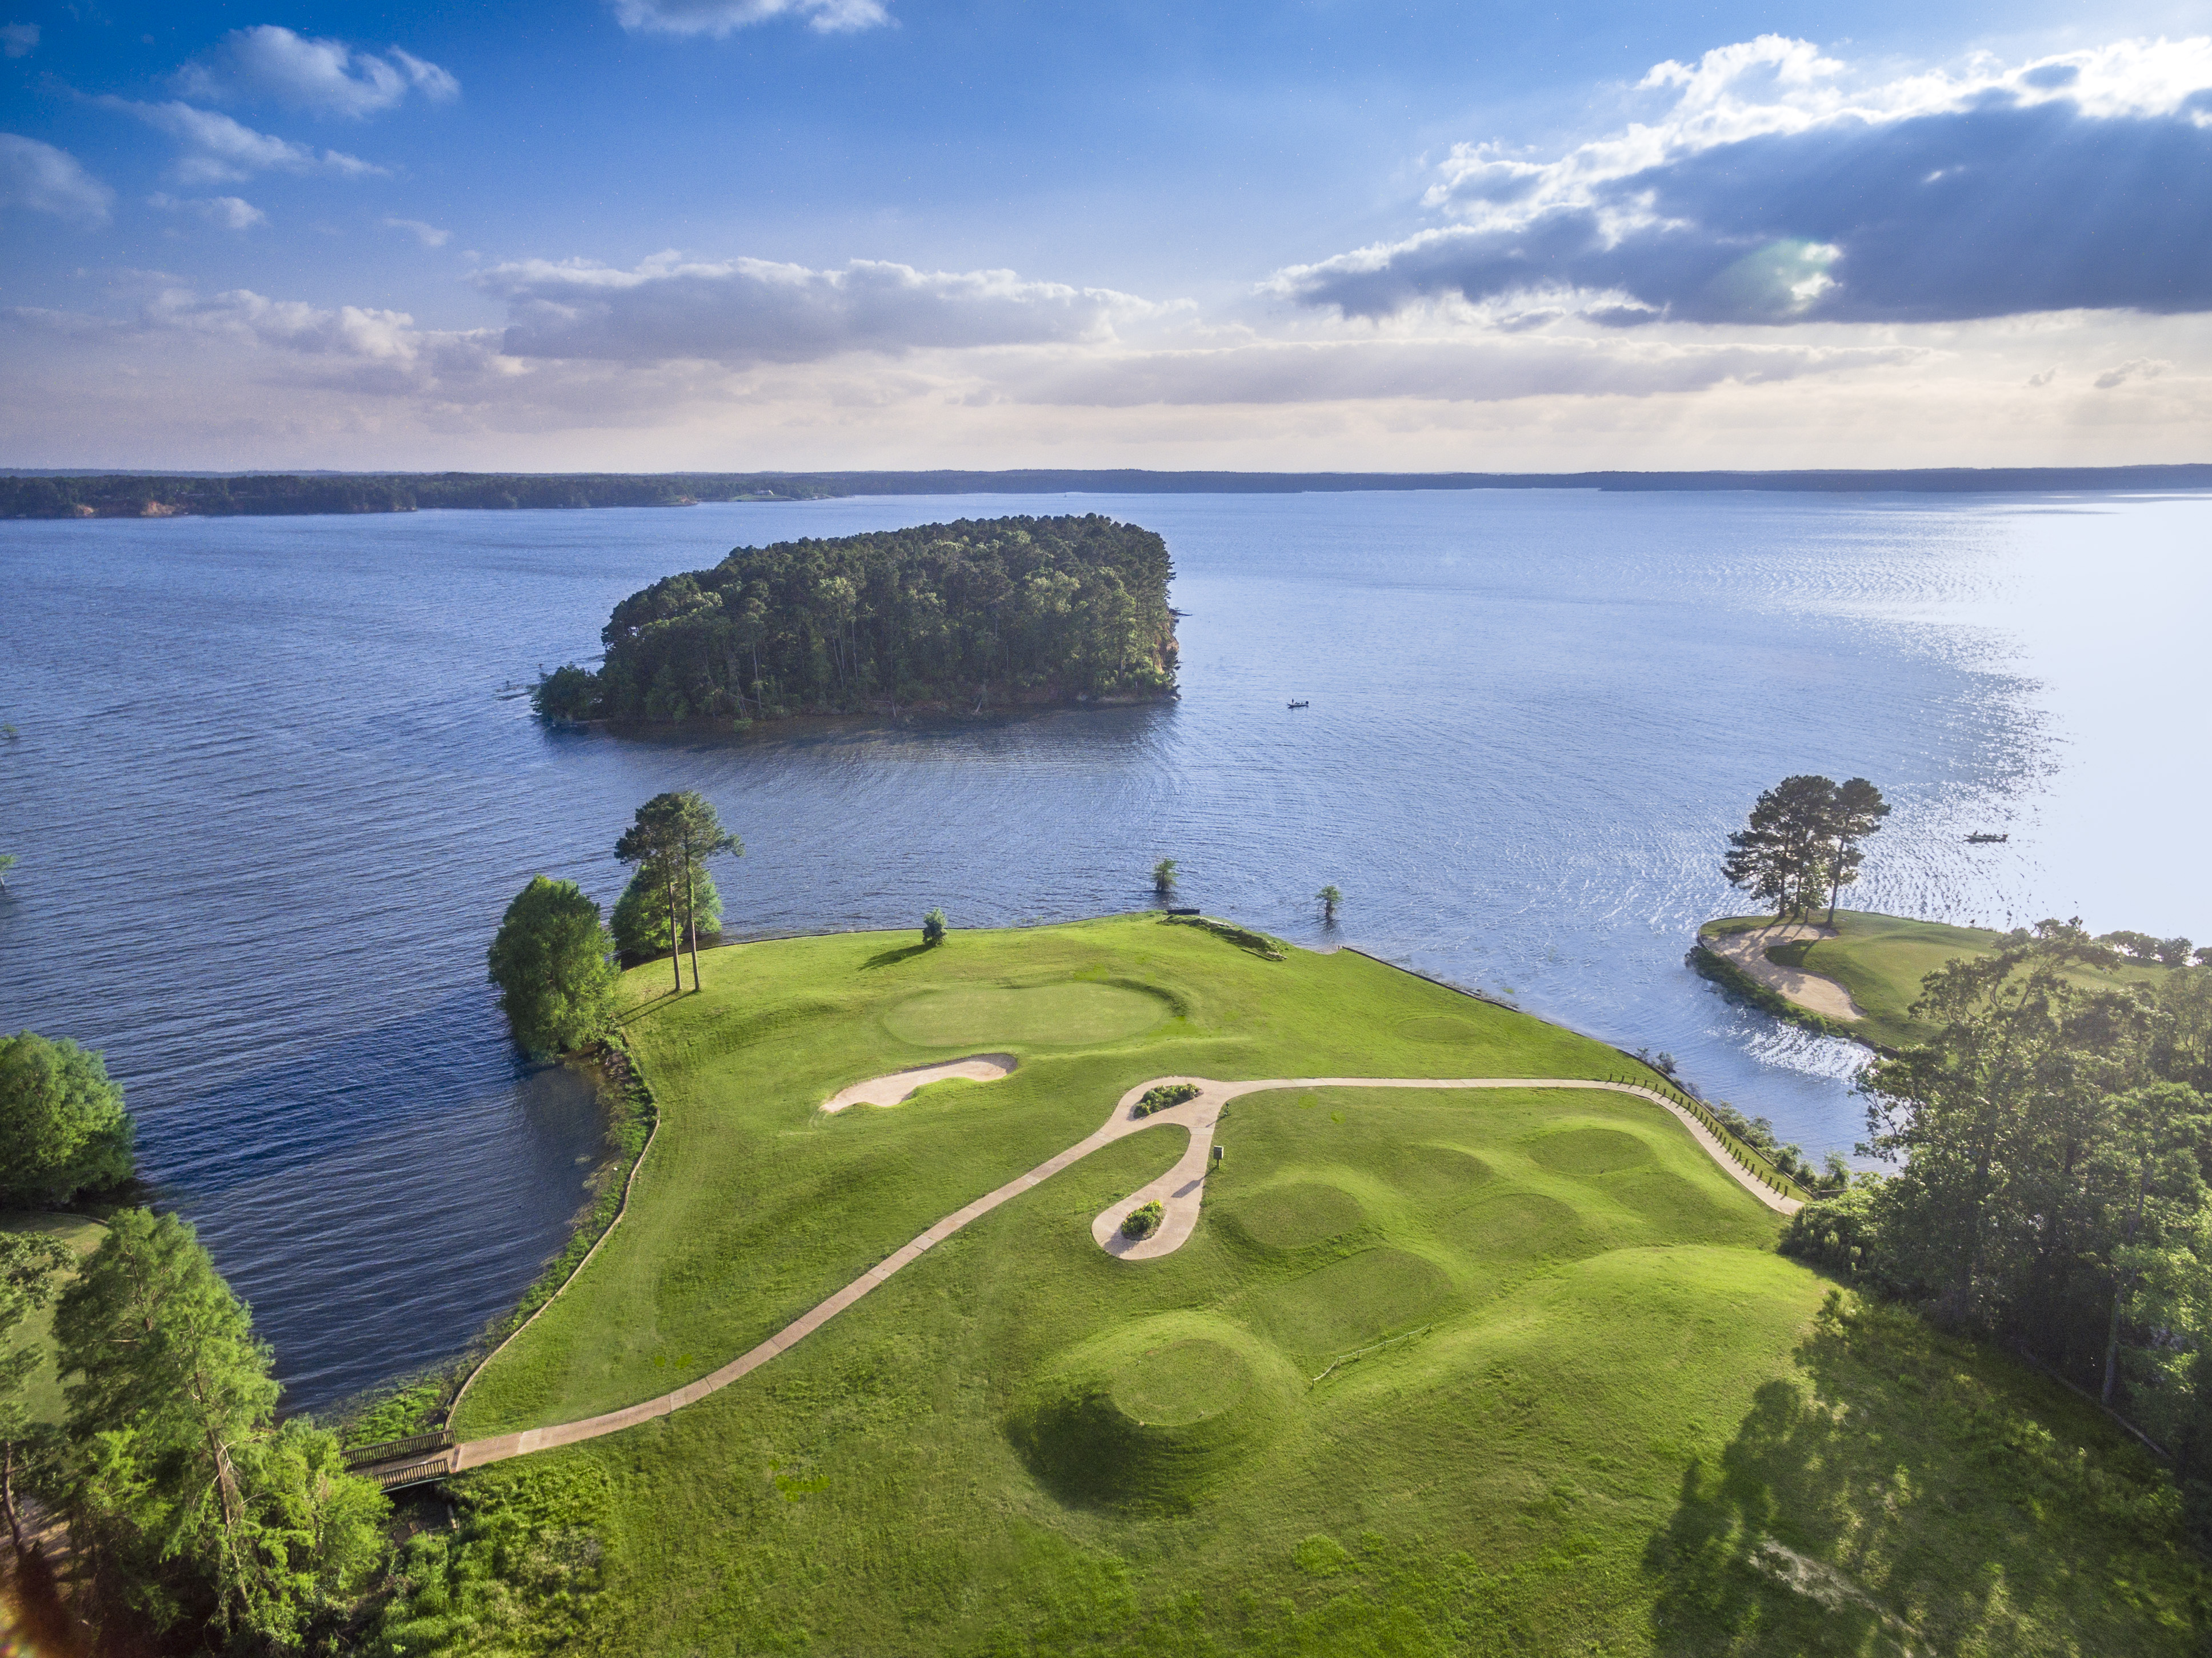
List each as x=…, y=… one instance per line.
x=2056, y=1141
x=30, y=1263
x=641, y=923
x=62, y=1127
x=1805, y=841
x=1003, y=611
x=668, y=843
x=189, y=1508
x=1166, y=1095
x=552, y=962
x=933, y=927
x=1572, y=1399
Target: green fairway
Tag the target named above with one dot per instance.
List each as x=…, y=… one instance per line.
x=1881, y=959
x=1509, y=1370
x=1064, y=1014
x=43, y=1392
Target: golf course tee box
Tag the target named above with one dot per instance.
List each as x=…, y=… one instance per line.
x=1453, y=1344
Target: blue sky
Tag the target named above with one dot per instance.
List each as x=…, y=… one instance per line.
x=836, y=233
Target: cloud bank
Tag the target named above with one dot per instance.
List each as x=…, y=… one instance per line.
x=218, y=150
x=1768, y=193
x=750, y=311
x=326, y=76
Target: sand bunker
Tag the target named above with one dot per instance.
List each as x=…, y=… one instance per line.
x=1810, y=991
x=900, y=1085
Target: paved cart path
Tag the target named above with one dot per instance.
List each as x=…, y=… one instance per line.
x=1179, y=1192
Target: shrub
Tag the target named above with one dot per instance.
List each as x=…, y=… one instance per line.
x=1166, y=1095
x=568, y=693
x=1144, y=1221
x=933, y=927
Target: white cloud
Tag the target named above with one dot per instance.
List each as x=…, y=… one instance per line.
x=754, y=311
x=49, y=180
x=221, y=150
x=429, y=234
x=2139, y=368
x=326, y=76
x=18, y=40
x=1772, y=190
x=720, y=18
x=231, y=212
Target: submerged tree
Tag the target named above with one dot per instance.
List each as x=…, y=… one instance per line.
x=1328, y=898
x=1164, y=876
x=551, y=961
x=62, y=1127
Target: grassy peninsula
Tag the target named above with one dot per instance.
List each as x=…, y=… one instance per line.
x=967, y=615
x=1878, y=961
x=1517, y=1371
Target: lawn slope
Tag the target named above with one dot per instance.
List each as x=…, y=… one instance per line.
x=1513, y=1370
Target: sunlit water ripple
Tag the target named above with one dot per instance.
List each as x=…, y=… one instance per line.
x=270, y=799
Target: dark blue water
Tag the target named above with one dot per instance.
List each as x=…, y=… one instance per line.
x=271, y=791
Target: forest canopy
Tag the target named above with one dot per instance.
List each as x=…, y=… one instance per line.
x=973, y=614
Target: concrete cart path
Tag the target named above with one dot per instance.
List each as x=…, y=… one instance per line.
x=1180, y=1191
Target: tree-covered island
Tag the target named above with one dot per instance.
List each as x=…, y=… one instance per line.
x=972, y=615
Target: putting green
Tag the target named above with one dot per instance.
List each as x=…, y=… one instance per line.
x=1056, y=1014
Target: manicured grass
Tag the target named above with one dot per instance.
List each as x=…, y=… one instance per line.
x=1569, y=1401
x=1881, y=960
x=1064, y=1015
x=43, y=1392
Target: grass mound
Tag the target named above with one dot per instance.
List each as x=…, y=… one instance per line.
x=1062, y=1015
x=1349, y=1302
x=1294, y=1216
x=1152, y=1417
x=1590, y=1151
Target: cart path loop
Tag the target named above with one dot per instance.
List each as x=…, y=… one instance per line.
x=1179, y=1192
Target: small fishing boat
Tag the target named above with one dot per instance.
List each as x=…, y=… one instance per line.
x=1302, y=705
x=1984, y=838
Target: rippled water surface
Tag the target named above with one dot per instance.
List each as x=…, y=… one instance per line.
x=271, y=793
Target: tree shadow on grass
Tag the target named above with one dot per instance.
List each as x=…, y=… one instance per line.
x=1914, y=1493
x=893, y=958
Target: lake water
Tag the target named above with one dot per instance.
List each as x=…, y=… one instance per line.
x=270, y=795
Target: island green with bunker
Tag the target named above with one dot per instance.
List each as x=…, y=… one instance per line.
x=1437, y=1369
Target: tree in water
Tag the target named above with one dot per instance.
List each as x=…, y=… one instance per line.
x=1164, y=876
x=1328, y=898
x=192, y=1508
x=551, y=961
x=62, y=1127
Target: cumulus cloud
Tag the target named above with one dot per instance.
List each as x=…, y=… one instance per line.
x=2140, y=369
x=1769, y=191
x=221, y=150
x=326, y=76
x=719, y=18
x=49, y=180
x=231, y=212
x=19, y=39
x=429, y=234
x=752, y=311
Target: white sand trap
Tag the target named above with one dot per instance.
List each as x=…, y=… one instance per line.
x=1810, y=991
x=899, y=1087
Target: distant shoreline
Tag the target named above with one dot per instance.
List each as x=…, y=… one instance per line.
x=65, y=493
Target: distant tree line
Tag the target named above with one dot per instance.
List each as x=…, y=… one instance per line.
x=2054, y=1182
x=973, y=613
x=118, y=496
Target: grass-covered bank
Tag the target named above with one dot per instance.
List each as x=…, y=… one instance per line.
x=42, y=1391
x=1880, y=961
x=1586, y=1406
